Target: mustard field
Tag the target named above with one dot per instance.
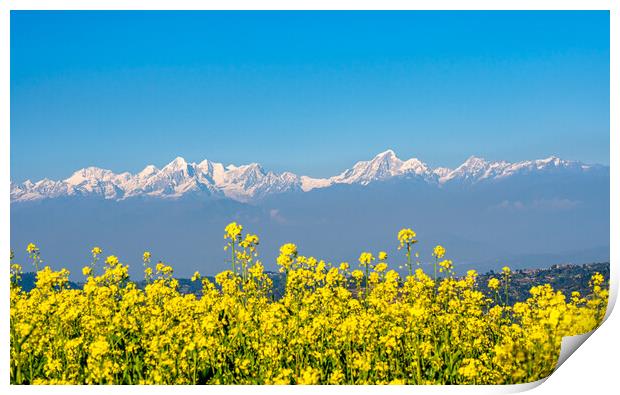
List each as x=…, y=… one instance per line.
x=335, y=323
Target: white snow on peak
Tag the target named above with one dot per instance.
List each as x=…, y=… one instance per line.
x=383, y=166
x=249, y=182
x=309, y=183
x=179, y=161
x=89, y=174
x=148, y=171
x=441, y=171
x=476, y=169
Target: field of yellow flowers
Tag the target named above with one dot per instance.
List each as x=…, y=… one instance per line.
x=333, y=325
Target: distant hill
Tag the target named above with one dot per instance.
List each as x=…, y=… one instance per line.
x=565, y=278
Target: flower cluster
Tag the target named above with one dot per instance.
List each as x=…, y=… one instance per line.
x=333, y=325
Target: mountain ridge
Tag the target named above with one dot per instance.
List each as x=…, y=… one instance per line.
x=250, y=182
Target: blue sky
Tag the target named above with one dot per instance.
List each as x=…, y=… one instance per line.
x=309, y=92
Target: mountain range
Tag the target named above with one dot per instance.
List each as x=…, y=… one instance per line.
x=485, y=213
x=248, y=183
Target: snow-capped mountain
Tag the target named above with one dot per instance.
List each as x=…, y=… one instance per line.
x=178, y=178
x=382, y=167
x=251, y=182
x=475, y=169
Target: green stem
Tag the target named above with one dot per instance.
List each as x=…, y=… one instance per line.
x=366, y=284
x=232, y=255
x=409, y=258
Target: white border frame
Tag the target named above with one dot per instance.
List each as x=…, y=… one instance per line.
x=598, y=367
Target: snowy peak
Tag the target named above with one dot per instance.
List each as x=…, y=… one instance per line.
x=387, y=158
x=441, y=171
x=148, y=171
x=178, y=167
x=92, y=181
x=248, y=183
x=475, y=169
x=474, y=163
x=310, y=183
x=89, y=174
x=178, y=163
x=383, y=166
